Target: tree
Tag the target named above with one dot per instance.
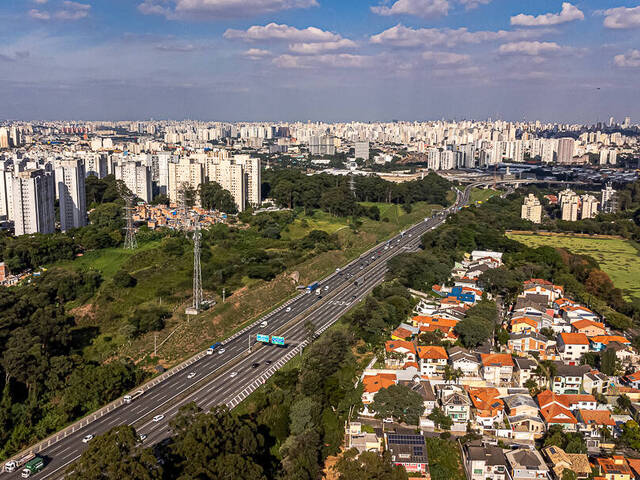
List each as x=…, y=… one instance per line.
x=609, y=362
x=399, y=402
x=368, y=466
x=116, y=455
x=568, y=474
x=531, y=385
x=452, y=374
x=438, y=417
x=473, y=331
x=214, y=197
x=624, y=403
x=122, y=279
x=217, y=444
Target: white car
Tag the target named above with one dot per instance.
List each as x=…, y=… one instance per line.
x=191, y=375
x=221, y=351
x=87, y=438
x=326, y=287
x=142, y=437
x=233, y=374
x=288, y=309
x=157, y=418
x=264, y=324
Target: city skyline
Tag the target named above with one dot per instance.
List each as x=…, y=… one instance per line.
x=291, y=60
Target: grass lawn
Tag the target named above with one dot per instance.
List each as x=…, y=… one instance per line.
x=619, y=258
x=107, y=261
x=445, y=462
x=482, y=195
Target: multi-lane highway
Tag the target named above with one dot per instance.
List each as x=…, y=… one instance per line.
x=226, y=378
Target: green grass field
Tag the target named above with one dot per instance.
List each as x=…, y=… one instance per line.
x=482, y=195
x=620, y=259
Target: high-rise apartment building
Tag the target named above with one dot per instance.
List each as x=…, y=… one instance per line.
x=569, y=205
x=433, y=159
x=362, y=150
x=6, y=186
x=447, y=160
x=33, y=196
x=230, y=176
x=4, y=138
x=186, y=173
x=252, y=178
x=608, y=199
x=589, y=208
x=70, y=190
x=531, y=209
x=322, y=145
x=565, y=150
x=136, y=177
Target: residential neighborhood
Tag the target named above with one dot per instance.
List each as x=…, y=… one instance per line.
x=553, y=370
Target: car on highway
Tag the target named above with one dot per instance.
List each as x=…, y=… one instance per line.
x=87, y=438
x=191, y=375
x=288, y=309
x=338, y=269
x=158, y=418
x=221, y=351
x=142, y=437
x=233, y=374
x=264, y=324
x=326, y=287
x=268, y=362
x=255, y=364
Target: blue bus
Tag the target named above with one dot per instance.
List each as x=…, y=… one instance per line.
x=211, y=349
x=313, y=287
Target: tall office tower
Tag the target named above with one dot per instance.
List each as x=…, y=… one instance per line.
x=608, y=199
x=447, y=160
x=185, y=173
x=362, y=150
x=531, y=209
x=627, y=122
x=33, y=197
x=589, y=207
x=433, y=159
x=6, y=185
x=611, y=121
x=4, y=138
x=569, y=205
x=136, y=177
x=252, y=178
x=565, y=150
x=69, y=180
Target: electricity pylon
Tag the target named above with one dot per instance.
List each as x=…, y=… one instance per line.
x=197, y=273
x=130, y=242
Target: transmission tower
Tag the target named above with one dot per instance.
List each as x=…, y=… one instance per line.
x=130, y=242
x=352, y=185
x=197, y=273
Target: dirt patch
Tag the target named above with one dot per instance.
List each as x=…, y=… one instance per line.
x=84, y=313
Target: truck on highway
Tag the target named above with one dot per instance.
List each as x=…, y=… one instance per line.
x=12, y=465
x=313, y=287
x=212, y=348
x=32, y=466
x=132, y=396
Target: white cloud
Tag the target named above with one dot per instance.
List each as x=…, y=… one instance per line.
x=529, y=48
x=401, y=36
x=274, y=31
x=322, y=47
x=256, y=53
x=419, y=8
x=471, y=4
x=339, y=60
x=446, y=58
x=176, y=9
x=622, y=17
x=40, y=2
x=73, y=11
x=631, y=59
x=569, y=13
x=39, y=14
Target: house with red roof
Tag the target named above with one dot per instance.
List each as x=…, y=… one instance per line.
x=572, y=346
x=372, y=384
x=432, y=360
x=399, y=352
x=588, y=327
x=497, y=368
x=488, y=407
x=591, y=422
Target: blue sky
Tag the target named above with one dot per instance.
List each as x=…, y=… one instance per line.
x=333, y=60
